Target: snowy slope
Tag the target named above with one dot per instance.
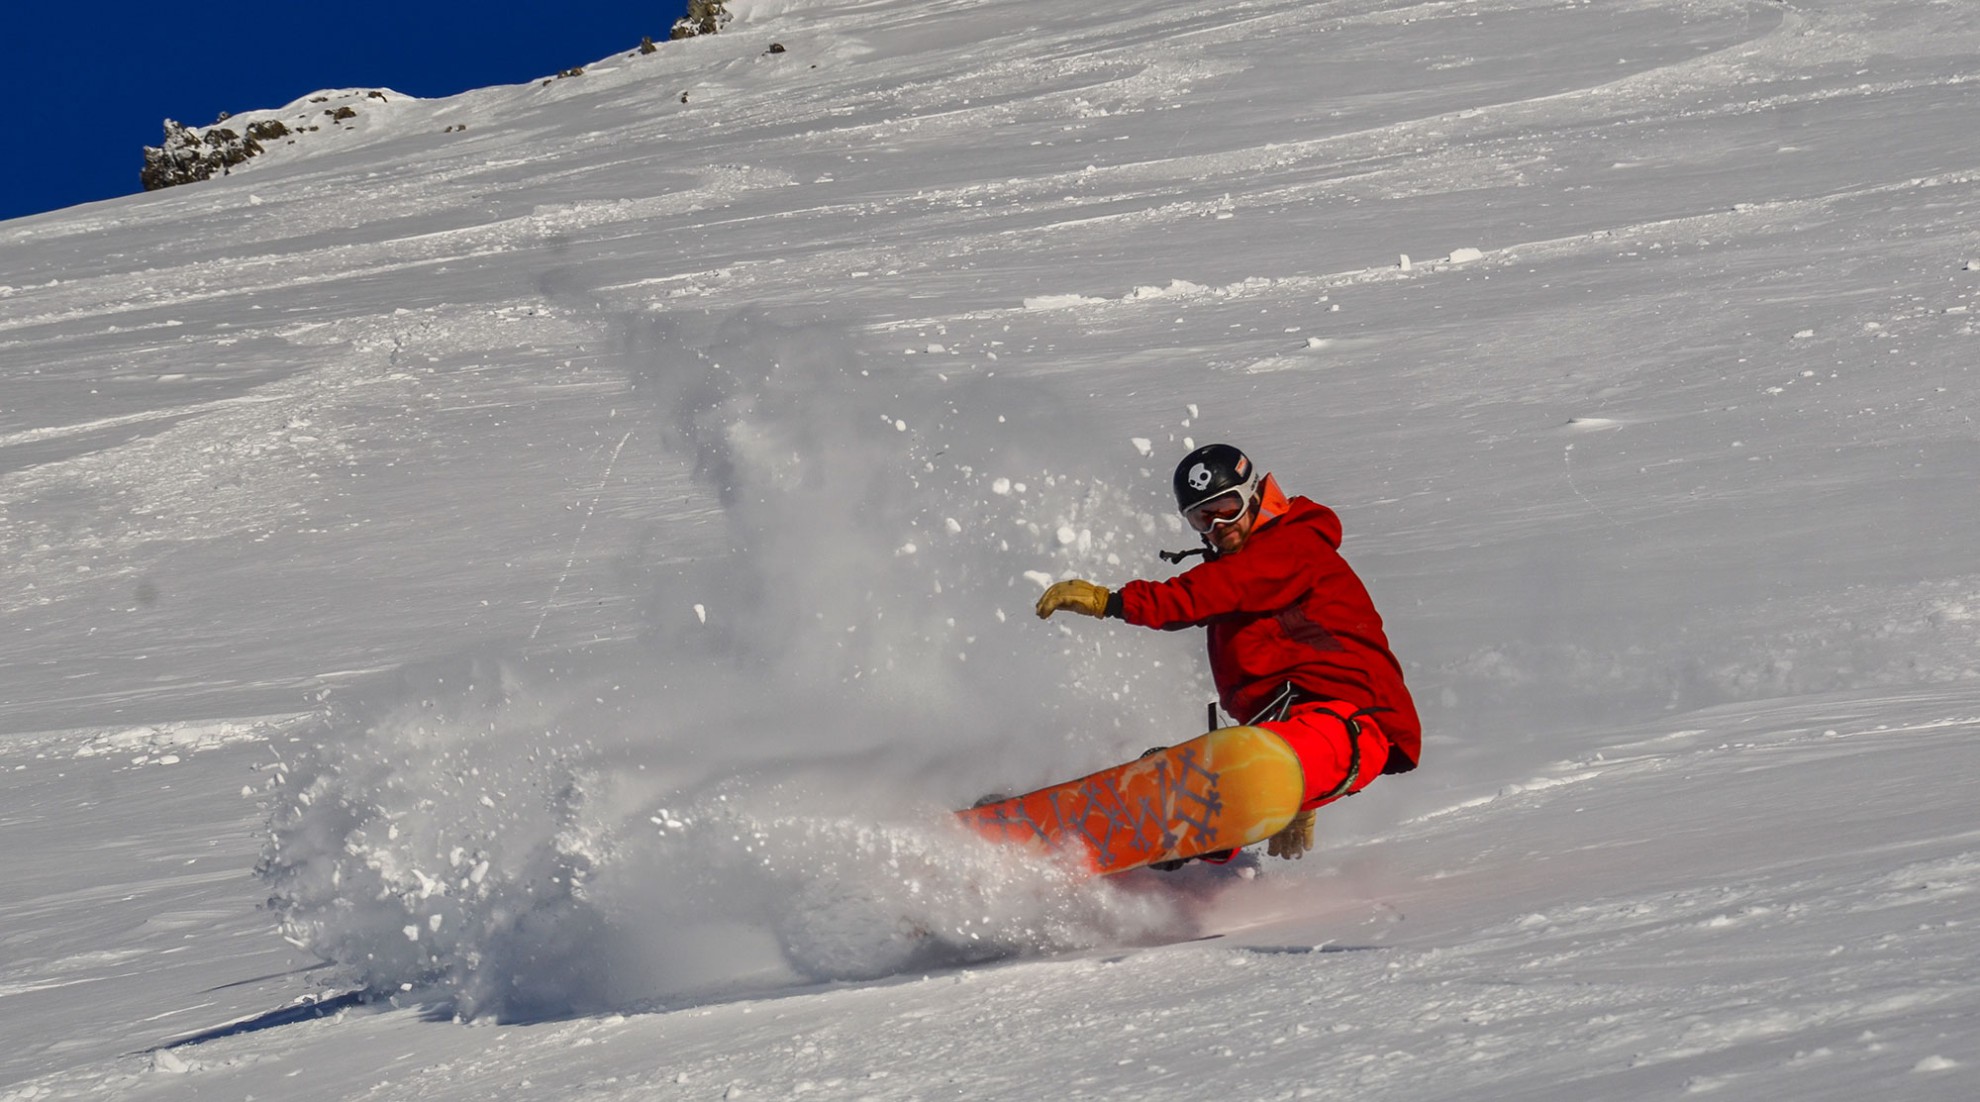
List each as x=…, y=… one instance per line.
x=553, y=552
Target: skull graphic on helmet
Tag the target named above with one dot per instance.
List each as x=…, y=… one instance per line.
x=1212, y=472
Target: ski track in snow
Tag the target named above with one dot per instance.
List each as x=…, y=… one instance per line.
x=580, y=535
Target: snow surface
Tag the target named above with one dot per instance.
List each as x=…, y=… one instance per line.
x=499, y=612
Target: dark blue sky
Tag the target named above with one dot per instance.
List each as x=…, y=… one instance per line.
x=88, y=85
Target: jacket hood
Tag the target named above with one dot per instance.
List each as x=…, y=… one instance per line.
x=1297, y=510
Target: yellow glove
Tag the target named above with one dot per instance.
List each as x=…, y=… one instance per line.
x=1074, y=595
x=1294, y=839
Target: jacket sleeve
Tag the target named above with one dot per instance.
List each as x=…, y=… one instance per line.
x=1260, y=579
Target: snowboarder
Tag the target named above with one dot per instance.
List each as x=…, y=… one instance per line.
x=1296, y=646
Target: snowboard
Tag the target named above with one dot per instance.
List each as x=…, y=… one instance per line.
x=1229, y=788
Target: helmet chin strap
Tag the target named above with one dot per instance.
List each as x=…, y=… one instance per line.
x=1209, y=550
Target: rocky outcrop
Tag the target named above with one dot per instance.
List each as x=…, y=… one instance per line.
x=201, y=153
x=703, y=17
x=187, y=154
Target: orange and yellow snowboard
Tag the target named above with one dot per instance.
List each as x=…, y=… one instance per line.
x=1229, y=788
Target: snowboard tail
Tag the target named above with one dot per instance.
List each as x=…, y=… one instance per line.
x=1229, y=788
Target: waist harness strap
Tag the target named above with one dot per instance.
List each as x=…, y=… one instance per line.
x=1353, y=724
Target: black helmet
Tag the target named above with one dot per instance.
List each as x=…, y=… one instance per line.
x=1211, y=470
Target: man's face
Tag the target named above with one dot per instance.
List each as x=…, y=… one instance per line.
x=1224, y=521
x=1229, y=538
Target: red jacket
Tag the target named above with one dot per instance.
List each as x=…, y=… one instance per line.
x=1287, y=607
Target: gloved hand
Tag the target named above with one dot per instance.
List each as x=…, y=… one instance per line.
x=1074, y=595
x=1294, y=839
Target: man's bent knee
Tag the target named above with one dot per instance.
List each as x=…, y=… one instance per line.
x=1339, y=751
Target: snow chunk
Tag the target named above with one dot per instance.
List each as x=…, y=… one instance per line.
x=166, y=743
x=1175, y=287
x=1466, y=256
x=1043, y=579
x=1059, y=302
x=1143, y=445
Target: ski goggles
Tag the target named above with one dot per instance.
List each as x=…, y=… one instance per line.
x=1212, y=513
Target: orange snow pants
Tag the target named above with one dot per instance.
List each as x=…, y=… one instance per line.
x=1339, y=751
